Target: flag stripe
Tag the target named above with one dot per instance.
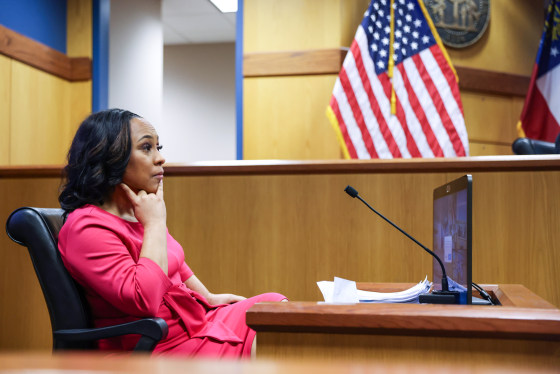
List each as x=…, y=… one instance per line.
x=353, y=130
x=382, y=96
x=436, y=95
x=343, y=129
x=420, y=113
x=424, y=94
x=449, y=75
x=418, y=132
x=393, y=149
x=358, y=117
x=400, y=119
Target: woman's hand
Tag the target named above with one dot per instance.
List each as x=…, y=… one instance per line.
x=223, y=298
x=149, y=208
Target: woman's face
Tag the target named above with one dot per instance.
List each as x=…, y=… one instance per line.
x=145, y=167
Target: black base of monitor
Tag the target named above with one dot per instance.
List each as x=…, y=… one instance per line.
x=439, y=297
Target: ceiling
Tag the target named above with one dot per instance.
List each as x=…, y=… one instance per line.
x=195, y=22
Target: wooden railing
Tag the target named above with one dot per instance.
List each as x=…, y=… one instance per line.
x=42, y=57
x=329, y=61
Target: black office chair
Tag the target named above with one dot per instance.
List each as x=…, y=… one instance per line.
x=37, y=229
x=527, y=146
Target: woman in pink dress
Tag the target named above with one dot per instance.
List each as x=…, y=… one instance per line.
x=115, y=244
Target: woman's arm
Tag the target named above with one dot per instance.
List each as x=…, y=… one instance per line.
x=224, y=298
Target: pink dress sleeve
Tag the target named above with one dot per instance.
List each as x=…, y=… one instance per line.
x=185, y=272
x=112, y=268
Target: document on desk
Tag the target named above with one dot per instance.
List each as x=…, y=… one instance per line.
x=345, y=291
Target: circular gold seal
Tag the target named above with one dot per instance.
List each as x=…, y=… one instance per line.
x=459, y=23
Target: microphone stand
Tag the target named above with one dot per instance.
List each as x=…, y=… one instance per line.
x=436, y=297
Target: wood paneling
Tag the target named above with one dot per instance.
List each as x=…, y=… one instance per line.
x=288, y=25
x=329, y=61
x=456, y=354
x=414, y=166
x=5, y=108
x=252, y=231
x=40, y=56
x=492, y=82
x=284, y=118
x=39, y=117
x=322, y=61
x=478, y=148
x=491, y=118
x=23, y=312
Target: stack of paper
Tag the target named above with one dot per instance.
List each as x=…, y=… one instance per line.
x=345, y=291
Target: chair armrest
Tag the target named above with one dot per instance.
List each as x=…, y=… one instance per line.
x=151, y=329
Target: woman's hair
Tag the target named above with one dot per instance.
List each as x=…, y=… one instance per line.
x=97, y=159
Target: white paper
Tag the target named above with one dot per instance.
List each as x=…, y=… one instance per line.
x=344, y=291
x=339, y=291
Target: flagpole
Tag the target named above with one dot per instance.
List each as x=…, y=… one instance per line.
x=392, y=60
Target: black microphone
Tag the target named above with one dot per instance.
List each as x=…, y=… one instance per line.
x=443, y=297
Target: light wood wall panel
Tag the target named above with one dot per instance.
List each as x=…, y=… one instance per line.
x=285, y=118
x=24, y=318
x=249, y=234
x=271, y=25
x=39, y=117
x=5, y=107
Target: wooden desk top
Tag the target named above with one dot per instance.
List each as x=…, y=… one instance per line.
x=141, y=364
x=279, y=167
x=523, y=315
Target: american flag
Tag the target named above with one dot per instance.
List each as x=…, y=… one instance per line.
x=425, y=117
x=540, y=118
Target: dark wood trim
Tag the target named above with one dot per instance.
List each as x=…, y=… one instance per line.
x=311, y=62
x=329, y=61
x=280, y=167
x=38, y=55
x=492, y=82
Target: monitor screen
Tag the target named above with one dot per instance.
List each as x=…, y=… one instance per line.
x=453, y=236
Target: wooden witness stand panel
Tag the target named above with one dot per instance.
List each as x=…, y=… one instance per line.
x=524, y=329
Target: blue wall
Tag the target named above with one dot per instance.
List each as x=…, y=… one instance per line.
x=239, y=79
x=100, y=83
x=41, y=20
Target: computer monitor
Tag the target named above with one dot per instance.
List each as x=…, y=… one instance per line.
x=453, y=236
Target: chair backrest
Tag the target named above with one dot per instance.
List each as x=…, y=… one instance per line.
x=37, y=229
x=526, y=146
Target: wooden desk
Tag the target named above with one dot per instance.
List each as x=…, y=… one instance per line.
x=525, y=329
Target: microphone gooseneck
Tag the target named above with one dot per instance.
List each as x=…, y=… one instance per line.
x=444, y=284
